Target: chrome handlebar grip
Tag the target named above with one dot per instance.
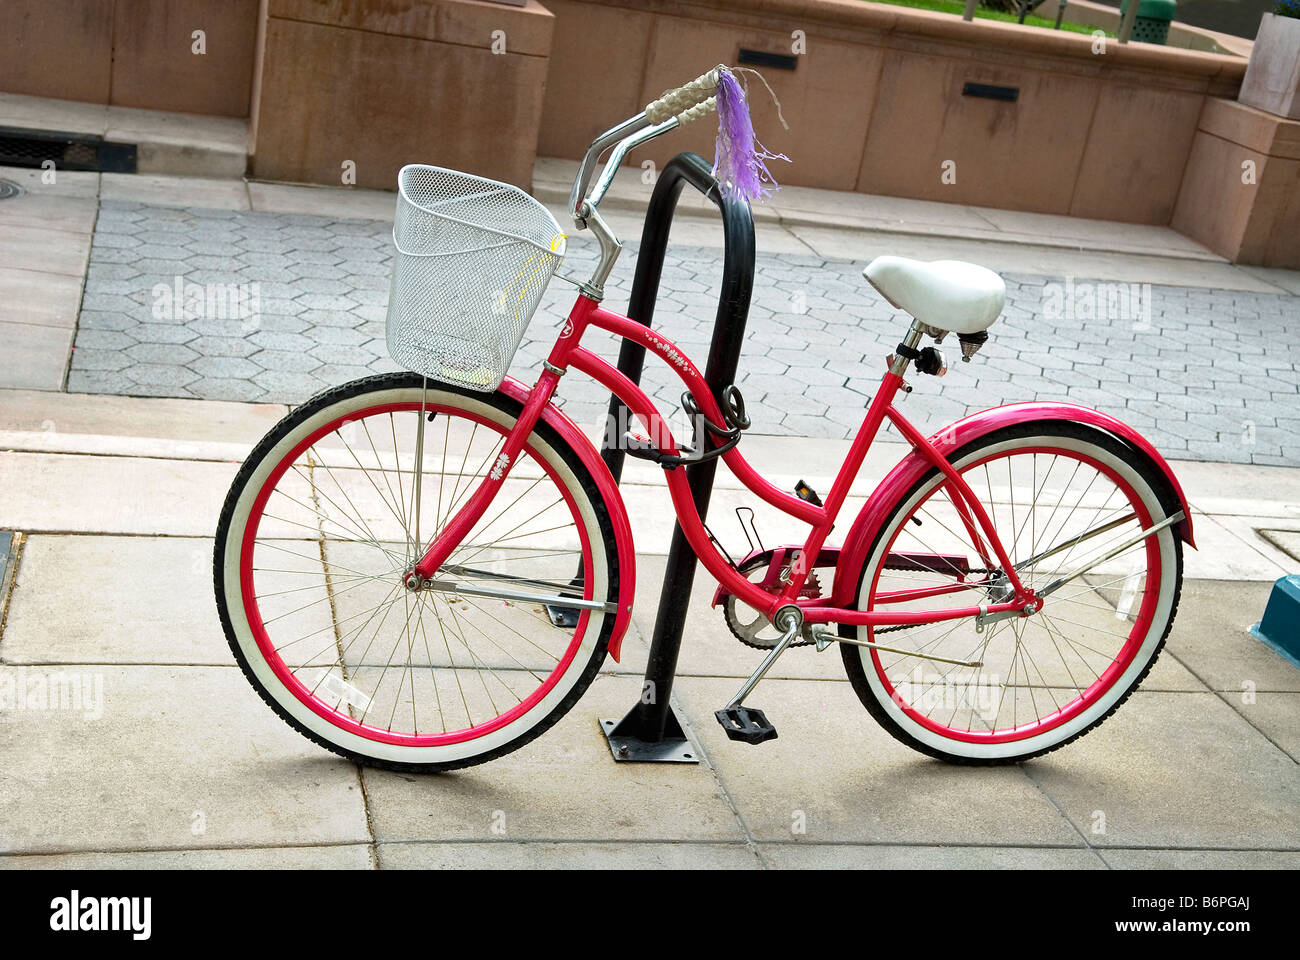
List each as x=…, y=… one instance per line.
x=577, y=196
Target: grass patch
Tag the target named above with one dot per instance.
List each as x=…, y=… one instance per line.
x=958, y=7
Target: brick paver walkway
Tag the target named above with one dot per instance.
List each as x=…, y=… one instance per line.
x=1205, y=374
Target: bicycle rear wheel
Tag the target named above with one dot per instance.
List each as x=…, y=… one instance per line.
x=1060, y=495
x=324, y=519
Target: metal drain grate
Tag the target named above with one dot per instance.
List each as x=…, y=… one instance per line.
x=9, y=189
x=68, y=151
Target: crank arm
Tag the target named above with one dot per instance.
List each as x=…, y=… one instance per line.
x=1111, y=554
x=793, y=621
x=469, y=590
x=825, y=638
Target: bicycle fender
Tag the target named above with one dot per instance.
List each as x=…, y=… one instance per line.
x=572, y=434
x=911, y=468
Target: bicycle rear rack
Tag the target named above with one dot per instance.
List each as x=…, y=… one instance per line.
x=651, y=732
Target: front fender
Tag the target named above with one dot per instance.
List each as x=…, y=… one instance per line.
x=591, y=459
x=911, y=468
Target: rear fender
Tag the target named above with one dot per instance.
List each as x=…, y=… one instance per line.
x=911, y=468
x=591, y=459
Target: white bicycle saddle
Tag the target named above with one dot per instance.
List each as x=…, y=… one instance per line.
x=946, y=294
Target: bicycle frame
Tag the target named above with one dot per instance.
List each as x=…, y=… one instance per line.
x=567, y=354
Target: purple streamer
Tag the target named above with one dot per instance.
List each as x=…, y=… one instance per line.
x=740, y=163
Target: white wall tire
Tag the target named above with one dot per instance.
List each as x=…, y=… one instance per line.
x=544, y=445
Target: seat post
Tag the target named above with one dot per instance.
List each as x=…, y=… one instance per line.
x=899, y=366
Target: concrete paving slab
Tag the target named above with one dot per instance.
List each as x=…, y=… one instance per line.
x=1096, y=234
x=1201, y=859
x=339, y=203
x=1249, y=530
x=817, y=856
x=65, y=183
x=76, y=494
x=26, y=247
x=1277, y=716
x=564, y=785
x=1224, y=553
x=807, y=205
x=1240, y=489
x=148, y=600
x=51, y=211
x=36, y=357
x=47, y=113
x=38, y=298
x=179, y=757
x=181, y=143
x=1288, y=280
x=353, y=856
x=1210, y=638
x=567, y=856
x=1175, y=770
x=1036, y=259
x=195, y=421
x=175, y=191
x=1288, y=541
x=837, y=774
x=95, y=444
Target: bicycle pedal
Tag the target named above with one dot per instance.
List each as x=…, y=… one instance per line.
x=746, y=724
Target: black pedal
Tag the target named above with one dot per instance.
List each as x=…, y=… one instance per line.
x=746, y=724
x=807, y=494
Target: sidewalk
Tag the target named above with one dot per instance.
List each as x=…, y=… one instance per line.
x=117, y=494
x=186, y=766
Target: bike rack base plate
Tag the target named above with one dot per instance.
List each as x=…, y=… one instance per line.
x=675, y=747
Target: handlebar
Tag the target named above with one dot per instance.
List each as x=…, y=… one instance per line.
x=675, y=107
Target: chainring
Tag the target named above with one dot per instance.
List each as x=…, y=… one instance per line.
x=747, y=624
x=748, y=631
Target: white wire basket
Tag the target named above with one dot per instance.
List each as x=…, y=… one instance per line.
x=473, y=259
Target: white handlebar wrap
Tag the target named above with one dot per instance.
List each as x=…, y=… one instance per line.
x=681, y=102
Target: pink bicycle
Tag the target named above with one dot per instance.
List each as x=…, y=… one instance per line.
x=426, y=570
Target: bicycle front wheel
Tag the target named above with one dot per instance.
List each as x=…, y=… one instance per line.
x=1060, y=496
x=324, y=519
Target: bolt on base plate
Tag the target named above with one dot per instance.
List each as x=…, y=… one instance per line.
x=675, y=747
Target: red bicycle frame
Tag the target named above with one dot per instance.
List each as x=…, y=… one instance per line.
x=568, y=354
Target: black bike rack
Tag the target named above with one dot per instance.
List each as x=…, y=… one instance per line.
x=651, y=732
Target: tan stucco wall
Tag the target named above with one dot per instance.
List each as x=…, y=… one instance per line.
x=876, y=105
x=385, y=83
x=1246, y=219
x=133, y=53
